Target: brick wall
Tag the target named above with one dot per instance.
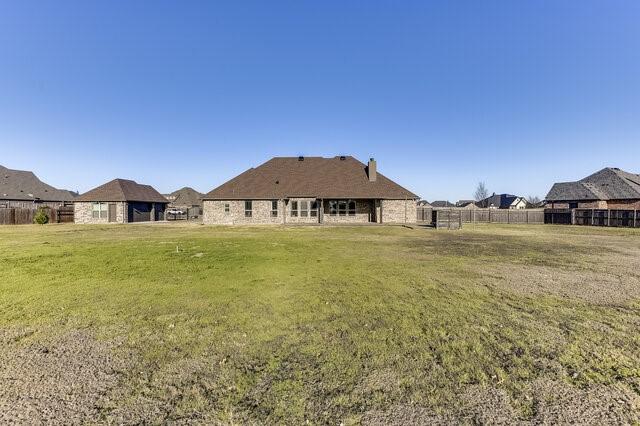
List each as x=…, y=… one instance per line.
x=599, y=204
x=83, y=213
x=624, y=204
x=399, y=211
x=213, y=212
x=387, y=211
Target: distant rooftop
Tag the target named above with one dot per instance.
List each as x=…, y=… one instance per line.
x=24, y=185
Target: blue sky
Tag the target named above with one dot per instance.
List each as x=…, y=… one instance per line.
x=518, y=94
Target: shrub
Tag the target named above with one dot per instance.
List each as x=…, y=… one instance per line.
x=41, y=217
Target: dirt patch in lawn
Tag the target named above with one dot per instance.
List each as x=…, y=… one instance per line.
x=613, y=287
x=61, y=379
x=553, y=402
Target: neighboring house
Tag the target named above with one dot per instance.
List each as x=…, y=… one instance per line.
x=441, y=204
x=610, y=188
x=23, y=189
x=466, y=204
x=424, y=203
x=120, y=201
x=185, y=198
x=503, y=201
x=310, y=190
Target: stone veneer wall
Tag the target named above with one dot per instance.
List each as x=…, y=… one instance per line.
x=83, y=213
x=387, y=211
x=213, y=212
x=399, y=211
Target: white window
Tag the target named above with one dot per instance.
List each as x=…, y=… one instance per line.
x=352, y=208
x=274, y=208
x=314, y=209
x=227, y=208
x=304, y=208
x=294, y=209
x=99, y=211
x=248, y=208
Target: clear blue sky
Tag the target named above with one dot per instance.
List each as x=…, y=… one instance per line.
x=443, y=94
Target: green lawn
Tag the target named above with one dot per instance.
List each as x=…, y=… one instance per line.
x=336, y=324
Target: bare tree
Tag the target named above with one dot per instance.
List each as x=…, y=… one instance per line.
x=533, y=199
x=481, y=191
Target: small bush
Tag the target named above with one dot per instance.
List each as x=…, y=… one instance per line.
x=41, y=217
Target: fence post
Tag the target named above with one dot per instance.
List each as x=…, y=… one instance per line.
x=508, y=215
x=593, y=213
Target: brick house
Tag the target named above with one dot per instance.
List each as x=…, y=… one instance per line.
x=23, y=189
x=120, y=201
x=610, y=188
x=310, y=190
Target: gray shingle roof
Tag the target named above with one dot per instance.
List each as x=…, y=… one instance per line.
x=283, y=177
x=606, y=184
x=25, y=186
x=441, y=203
x=185, y=197
x=123, y=190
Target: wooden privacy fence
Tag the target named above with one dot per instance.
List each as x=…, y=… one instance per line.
x=18, y=216
x=531, y=216
x=594, y=217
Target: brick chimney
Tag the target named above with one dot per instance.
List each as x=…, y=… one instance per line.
x=372, y=170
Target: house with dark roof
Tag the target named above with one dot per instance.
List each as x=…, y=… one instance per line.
x=185, y=198
x=609, y=188
x=442, y=204
x=120, y=201
x=466, y=204
x=310, y=190
x=23, y=189
x=503, y=201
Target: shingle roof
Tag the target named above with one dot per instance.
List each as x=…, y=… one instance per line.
x=442, y=204
x=606, y=184
x=24, y=185
x=500, y=201
x=123, y=190
x=185, y=197
x=283, y=177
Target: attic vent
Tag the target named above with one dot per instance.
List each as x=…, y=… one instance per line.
x=301, y=158
x=342, y=158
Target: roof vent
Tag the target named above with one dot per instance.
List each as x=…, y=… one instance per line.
x=301, y=158
x=277, y=182
x=342, y=158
